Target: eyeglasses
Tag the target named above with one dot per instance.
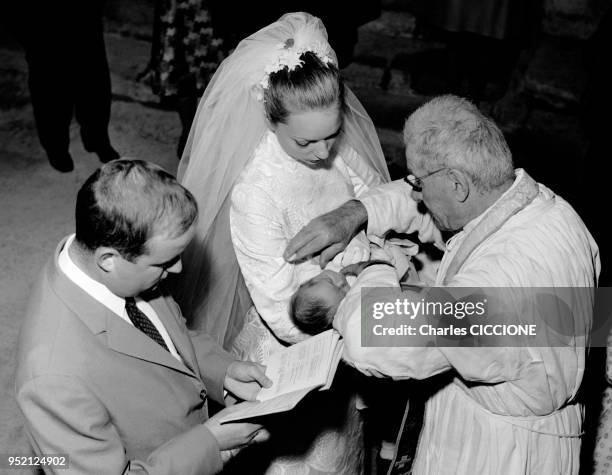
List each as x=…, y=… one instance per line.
x=416, y=182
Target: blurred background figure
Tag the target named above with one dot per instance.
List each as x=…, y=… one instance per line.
x=602, y=446
x=484, y=39
x=192, y=37
x=68, y=74
x=593, y=185
x=596, y=107
x=184, y=56
x=340, y=17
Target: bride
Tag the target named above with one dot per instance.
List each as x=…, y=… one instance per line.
x=277, y=141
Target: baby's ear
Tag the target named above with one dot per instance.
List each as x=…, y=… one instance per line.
x=348, y=270
x=356, y=268
x=353, y=269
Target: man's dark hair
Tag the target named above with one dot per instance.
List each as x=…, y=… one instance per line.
x=125, y=203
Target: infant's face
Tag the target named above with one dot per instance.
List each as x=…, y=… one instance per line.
x=329, y=286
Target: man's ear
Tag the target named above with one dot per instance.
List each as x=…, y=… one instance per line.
x=460, y=183
x=106, y=258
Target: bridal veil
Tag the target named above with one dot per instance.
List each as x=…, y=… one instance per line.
x=229, y=124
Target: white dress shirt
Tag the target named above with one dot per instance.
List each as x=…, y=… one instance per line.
x=113, y=302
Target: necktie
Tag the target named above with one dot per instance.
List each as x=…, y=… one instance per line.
x=142, y=322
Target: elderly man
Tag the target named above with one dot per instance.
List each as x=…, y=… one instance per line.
x=504, y=410
x=107, y=372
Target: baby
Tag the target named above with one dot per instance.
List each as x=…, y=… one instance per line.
x=329, y=295
x=313, y=306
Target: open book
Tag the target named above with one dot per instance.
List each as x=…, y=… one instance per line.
x=295, y=371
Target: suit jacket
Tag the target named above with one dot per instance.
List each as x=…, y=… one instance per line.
x=97, y=389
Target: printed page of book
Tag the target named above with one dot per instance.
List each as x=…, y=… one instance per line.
x=335, y=361
x=249, y=409
x=305, y=365
x=295, y=371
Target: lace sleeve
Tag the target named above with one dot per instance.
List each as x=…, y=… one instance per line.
x=258, y=239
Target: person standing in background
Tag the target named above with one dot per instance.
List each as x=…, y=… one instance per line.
x=483, y=41
x=68, y=74
x=341, y=18
x=192, y=37
x=184, y=56
x=596, y=104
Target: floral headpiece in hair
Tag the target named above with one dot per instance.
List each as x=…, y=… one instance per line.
x=288, y=54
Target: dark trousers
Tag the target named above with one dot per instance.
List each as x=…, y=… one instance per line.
x=68, y=73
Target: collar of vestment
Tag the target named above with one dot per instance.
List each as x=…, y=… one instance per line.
x=522, y=192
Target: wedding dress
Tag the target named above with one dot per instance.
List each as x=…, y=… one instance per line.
x=274, y=197
x=231, y=156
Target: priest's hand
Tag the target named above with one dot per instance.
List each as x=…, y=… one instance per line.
x=328, y=234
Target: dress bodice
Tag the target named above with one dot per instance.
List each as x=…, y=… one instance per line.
x=296, y=192
x=275, y=196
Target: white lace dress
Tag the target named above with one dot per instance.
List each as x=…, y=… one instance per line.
x=273, y=199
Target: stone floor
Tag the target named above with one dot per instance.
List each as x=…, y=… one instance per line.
x=38, y=202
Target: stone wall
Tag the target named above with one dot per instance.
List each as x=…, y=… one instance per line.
x=568, y=18
x=573, y=18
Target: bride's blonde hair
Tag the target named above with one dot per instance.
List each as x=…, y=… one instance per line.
x=312, y=85
x=230, y=123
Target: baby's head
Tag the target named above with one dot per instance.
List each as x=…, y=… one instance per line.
x=314, y=304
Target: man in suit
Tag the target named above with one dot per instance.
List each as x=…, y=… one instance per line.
x=107, y=371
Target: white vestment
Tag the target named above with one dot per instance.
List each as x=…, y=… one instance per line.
x=508, y=410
